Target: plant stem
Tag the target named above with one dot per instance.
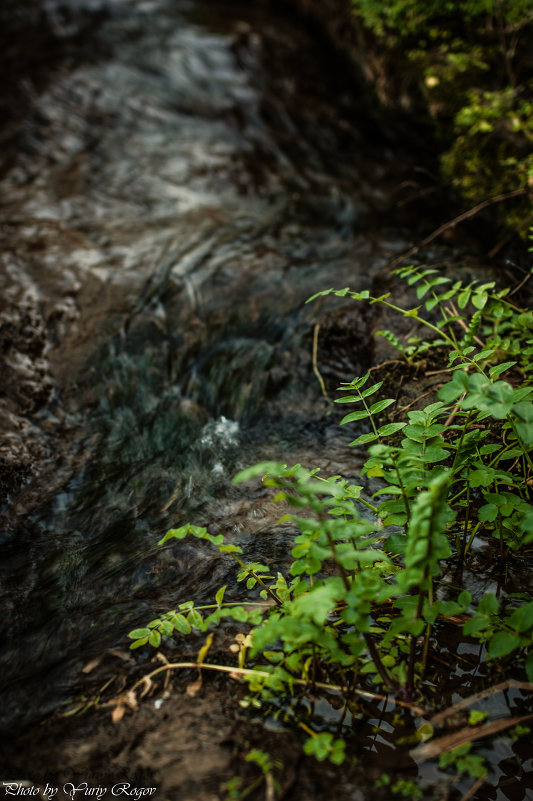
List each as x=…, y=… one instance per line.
x=463, y=434
x=467, y=518
x=412, y=648
x=263, y=673
x=425, y=650
x=473, y=534
x=258, y=579
x=402, y=488
x=380, y=667
x=343, y=573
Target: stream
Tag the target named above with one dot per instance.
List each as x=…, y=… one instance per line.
x=177, y=179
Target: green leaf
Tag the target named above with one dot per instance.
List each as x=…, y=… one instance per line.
x=364, y=438
x=155, y=639
x=486, y=450
x=521, y=393
x=479, y=300
x=360, y=415
x=521, y=619
x=380, y=405
x=137, y=633
x=175, y=533
x=502, y=643
x=524, y=425
x=261, y=469
x=390, y=428
x=195, y=619
x=138, y=643
x=220, y=595
x=464, y=599
x=526, y=524
x=485, y=476
x=454, y=388
x=474, y=625
x=364, y=295
x=476, y=716
x=496, y=399
x=371, y=390
x=463, y=298
x=480, y=478
x=434, y=453
x=488, y=605
x=181, y=623
x=230, y=548
x=494, y=372
x=323, y=293
x=484, y=354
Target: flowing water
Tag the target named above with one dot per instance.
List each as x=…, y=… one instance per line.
x=179, y=177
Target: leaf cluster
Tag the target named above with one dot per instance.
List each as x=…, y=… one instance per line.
x=468, y=62
x=358, y=602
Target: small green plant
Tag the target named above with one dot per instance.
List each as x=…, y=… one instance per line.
x=401, y=787
x=463, y=761
x=466, y=63
x=234, y=788
x=492, y=151
x=325, y=746
x=357, y=605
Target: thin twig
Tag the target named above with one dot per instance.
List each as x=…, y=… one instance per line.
x=473, y=699
x=384, y=364
x=461, y=218
x=416, y=400
x=452, y=311
x=500, y=245
x=438, y=372
x=380, y=667
x=475, y=787
x=466, y=735
x=455, y=410
x=315, y=364
x=520, y=285
x=263, y=673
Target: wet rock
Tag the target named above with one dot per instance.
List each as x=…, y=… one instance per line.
x=26, y=389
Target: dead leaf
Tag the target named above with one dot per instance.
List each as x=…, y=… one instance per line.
x=193, y=688
x=205, y=648
x=118, y=713
x=130, y=699
x=90, y=666
x=124, y=655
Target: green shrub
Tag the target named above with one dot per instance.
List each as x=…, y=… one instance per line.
x=470, y=61
x=460, y=467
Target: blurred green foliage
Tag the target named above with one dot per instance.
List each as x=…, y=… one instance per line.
x=470, y=61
